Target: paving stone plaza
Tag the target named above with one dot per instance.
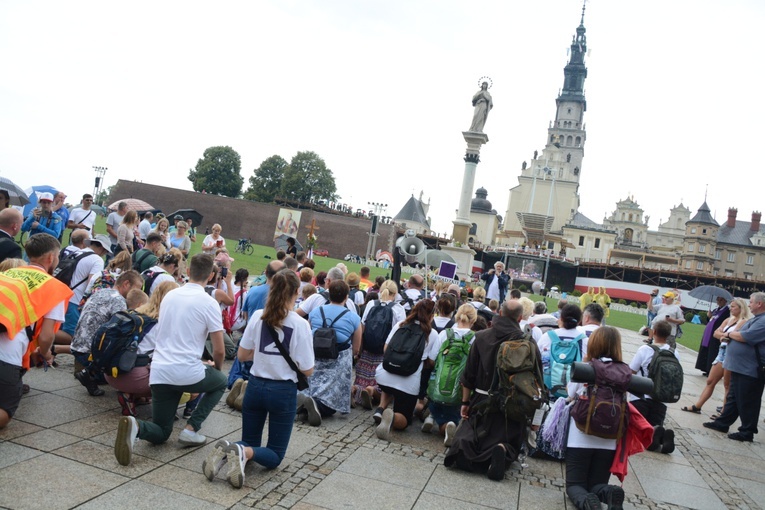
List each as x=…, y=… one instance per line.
x=58, y=453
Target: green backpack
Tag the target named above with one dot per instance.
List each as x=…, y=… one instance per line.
x=444, y=386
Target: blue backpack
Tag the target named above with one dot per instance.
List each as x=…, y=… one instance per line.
x=563, y=354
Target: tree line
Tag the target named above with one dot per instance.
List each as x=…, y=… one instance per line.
x=305, y=178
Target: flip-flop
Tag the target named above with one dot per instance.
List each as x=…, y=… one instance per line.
x=692, y=409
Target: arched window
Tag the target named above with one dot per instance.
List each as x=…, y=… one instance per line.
x=473, y=229
x=552, y=138
x=570, y=140
x=630, y=217
x=628, y=235
x=578, y=141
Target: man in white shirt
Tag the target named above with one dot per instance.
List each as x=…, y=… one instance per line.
x=145, y=226
x=670, y=312
x=413, y=293
x=189, y=314
x=113, y=223
x=653, y=411
x=89, y=254
x=42, y=251
x=321, y=298
x=83, y=217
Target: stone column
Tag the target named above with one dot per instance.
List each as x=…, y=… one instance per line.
x=472, y=156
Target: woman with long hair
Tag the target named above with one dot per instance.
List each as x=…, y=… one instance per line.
x=403, y=389
x=364, y=390
x=162, y=228
x=135, y=384
x=589, y=457
x=739, y=314
x=126, y=232
x=272, y=388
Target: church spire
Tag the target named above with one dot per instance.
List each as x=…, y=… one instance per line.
x=575, y=71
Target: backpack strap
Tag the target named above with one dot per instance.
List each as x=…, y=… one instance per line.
x=324, y=319
x=78, y=258
x=137, y=263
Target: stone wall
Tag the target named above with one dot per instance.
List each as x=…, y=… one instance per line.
x=243, y=218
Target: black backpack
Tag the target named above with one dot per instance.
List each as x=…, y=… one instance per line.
x=149, y=277
x=377, y=327
x=667, y=375
x=67, y=264
x=403, y=355
x=114, y=348
x=325, y=337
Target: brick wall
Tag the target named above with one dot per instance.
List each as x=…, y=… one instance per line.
x=243, y=218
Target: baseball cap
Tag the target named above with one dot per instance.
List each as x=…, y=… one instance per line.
x=45, y=196
x=178, y=217
x=668, y=294
x=101, y=239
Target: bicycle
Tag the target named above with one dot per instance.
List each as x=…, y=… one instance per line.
x=245, y=246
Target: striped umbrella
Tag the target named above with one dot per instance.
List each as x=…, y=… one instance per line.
x=17, y=195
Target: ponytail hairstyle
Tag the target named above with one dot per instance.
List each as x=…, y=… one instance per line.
x=240, y=277
x=570, y=316
x=422, y=312
x=284, y=289
x=466, y=313
x=388, y=291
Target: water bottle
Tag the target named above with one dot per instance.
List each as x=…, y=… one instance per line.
x=127, y=360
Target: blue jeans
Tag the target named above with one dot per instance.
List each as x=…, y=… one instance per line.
x=275, y=400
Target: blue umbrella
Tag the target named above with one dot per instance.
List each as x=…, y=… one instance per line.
x=32, y=192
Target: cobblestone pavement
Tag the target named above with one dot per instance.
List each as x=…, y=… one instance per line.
x=57, y=453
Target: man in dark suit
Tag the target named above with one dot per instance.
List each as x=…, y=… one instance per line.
x=10, y=225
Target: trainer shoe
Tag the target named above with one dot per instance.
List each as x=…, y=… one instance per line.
x=616, y=497
x=128, y=406
x=86, y=380
x=239, y=401
x=366, y=399
x=496, y=470
x=658, y=437
x=386, y=422
x=451, y=429
x=592, y=502
x=668, y=443
x=215, y=459
x=427, y=425
x=235, y=390
x=190, y=438
x=236, y=461
x=377, y=416
x=127, y=435
x=309, y=404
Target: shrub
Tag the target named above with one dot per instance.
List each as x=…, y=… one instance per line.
x=688, y=316
x=622, y=301
x=633, y=304
x=576, y=293
x=522, y=288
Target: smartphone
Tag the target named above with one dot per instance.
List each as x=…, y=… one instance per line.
x=224, y=273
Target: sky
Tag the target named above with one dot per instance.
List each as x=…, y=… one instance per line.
x=381, y=91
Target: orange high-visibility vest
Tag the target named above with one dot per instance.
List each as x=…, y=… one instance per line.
x=26, y=295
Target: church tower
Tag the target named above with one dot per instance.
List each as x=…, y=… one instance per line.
x=547, y=197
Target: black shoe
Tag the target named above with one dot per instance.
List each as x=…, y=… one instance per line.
x=719, y=409
x=714, y=426
x=616, y=497
x=658, y=437
x=25, y=388
x=738, y=436
x=86, y=380
x=497, y=467
x=668, y=443
x=377, y=417
x=591, y=502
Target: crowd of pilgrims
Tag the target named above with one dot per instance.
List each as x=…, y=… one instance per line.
x=205, y=312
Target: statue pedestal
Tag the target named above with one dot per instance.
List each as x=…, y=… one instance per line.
x=463, y=256
x=472, y=156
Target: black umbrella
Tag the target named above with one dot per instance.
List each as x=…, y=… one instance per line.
x=16, y=194
x=188, y=213
x=710, y=293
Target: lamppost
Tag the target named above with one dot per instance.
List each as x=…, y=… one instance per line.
x=377, y=210
x=100, y=172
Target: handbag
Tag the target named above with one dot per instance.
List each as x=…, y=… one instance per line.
x=302, y=379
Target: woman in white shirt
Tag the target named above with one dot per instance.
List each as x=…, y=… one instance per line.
x=403, y=389
x=588, y=457
x=272, y=387
x=213, y=241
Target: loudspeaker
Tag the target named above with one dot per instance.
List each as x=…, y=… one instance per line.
x=410, y=248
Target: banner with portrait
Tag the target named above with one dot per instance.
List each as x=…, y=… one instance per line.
x=287, y=223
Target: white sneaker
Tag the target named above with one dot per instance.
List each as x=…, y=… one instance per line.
x=383, y=429
x=451, y=429
x=215, y=459
x=236, y=462
x=309, y=404
x=427, y=426
x=190, y=438
x=127, y=435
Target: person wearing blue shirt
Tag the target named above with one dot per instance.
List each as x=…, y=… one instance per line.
x=59, y=207
x=329, y=389
x=43, y=220
x=744, y=358
x=256, y=297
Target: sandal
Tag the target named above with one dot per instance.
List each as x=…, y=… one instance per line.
x=714, y=417
x=692, y=409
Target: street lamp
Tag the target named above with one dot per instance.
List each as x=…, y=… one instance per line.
x=100, y=172
x=377, y=210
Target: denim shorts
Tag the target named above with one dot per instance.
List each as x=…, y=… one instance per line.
x=720, y=354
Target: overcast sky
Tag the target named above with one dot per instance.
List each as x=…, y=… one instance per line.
x=381, y=91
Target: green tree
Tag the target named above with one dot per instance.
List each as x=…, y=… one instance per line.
x=307, y=178
x=266, y=183
x=218, y=172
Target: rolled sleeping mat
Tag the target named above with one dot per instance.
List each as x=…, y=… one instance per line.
x=584, y=373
